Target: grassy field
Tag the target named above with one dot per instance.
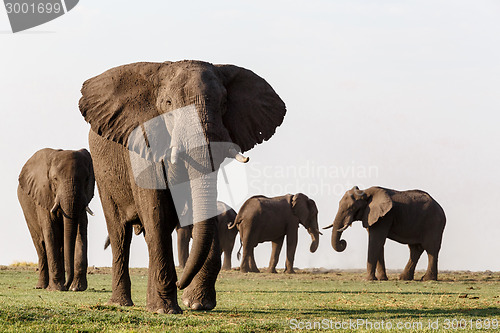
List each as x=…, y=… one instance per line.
x=260, y=302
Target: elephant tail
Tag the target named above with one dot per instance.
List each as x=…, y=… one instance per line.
x=238, y=255
x=107, y=243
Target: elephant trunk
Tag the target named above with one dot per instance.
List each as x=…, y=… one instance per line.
x=338, y=244
x=204, y=194
x=315, y=240
x=70, y=230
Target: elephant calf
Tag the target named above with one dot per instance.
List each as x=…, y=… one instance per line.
x=263, y=219
x=55, y=187
x=408, y=217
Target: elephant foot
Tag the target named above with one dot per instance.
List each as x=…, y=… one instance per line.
x=41, y=285
x=429, y=277
x=272, y=271
x=289, y=271
x=56, y=287
x=371, y=278
x=226, y=268
x=78, y=285
x=121, y=301
x=167, y=307
x=406, y=276
x=199, y=297
x=383, y=278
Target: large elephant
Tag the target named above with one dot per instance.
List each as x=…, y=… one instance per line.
x=55, y=188
x=263, y=219
x=159, y=132
x=408, y=217
x=225, y=217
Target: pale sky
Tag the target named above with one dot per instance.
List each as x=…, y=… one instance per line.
x=400, y=94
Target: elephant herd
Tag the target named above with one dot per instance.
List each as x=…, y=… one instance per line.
x=159, y=133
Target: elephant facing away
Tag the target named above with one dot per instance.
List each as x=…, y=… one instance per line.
x=159, y=133
x=408, y=217
x=55, y=188
x=226, y=216
x=262, y=219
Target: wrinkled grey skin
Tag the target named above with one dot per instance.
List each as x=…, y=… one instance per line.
x=55, y=188
x=226, y=236
x=234, y=106
x=408, y=217
x=262, y=219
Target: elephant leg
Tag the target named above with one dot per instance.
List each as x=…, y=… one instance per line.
x=275, y=254
x=53, y=240
x=183, y=238
x=291, y=246
x=376, y=242
x=80, y=281
x=200, y=294
x=43, y=277
x=38, y=241
x=228, y=252
x=245, y=257
x=252, y=263
x=381, y=273
x=120, y=236
x=432, y=267
x=415, y=253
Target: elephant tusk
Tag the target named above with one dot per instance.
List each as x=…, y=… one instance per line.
x=173, y=155
x=89, y=211
x=240, y=158
x=55, y=207
x=319, y=232
x=328, y=227
x=344, y=227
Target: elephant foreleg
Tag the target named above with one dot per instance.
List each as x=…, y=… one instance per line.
x=227, y=259
x=252, y=263
x=291, y=246
x=415, y=253
x=53, y=240
x=381, y=273
x=376, y=242
x=275, y=254
x=80, y=281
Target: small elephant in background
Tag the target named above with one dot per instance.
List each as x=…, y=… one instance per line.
x=408, y=217
x=55, y=188
x=225, y=217
x=262, y=219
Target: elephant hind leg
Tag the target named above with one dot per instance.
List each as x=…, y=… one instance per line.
x=415, y=253
x=253, y=264
x=275, y=254
x=381, y=273
x=432, y=268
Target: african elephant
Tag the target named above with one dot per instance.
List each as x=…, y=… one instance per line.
x=159, y=133
x=408, y=217
x=263, y=219
x=225, y=217
x=55, y=188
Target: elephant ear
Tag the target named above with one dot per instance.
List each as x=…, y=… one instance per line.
x=119, y=100
x=254, y=109
x=34, y=178
x=91, y=182
x=379, y=204
x=300, y=207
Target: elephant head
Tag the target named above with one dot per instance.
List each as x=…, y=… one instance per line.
x=367, y=206
x=182, y=119
x=307, y=212
x=62, y=182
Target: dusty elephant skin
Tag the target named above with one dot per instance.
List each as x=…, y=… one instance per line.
x=227, y=236
x=233, y=105
x=408, y=217
x=55, y=188
x=263, y=219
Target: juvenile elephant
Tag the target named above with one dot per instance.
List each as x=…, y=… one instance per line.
x=262, y=219
x=159, y=133
x=225, y=217
x=408, y=217
x=55, y=188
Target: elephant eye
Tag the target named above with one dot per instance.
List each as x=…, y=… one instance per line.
x=169, y=102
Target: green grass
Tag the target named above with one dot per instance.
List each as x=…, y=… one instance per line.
x=254, y=303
